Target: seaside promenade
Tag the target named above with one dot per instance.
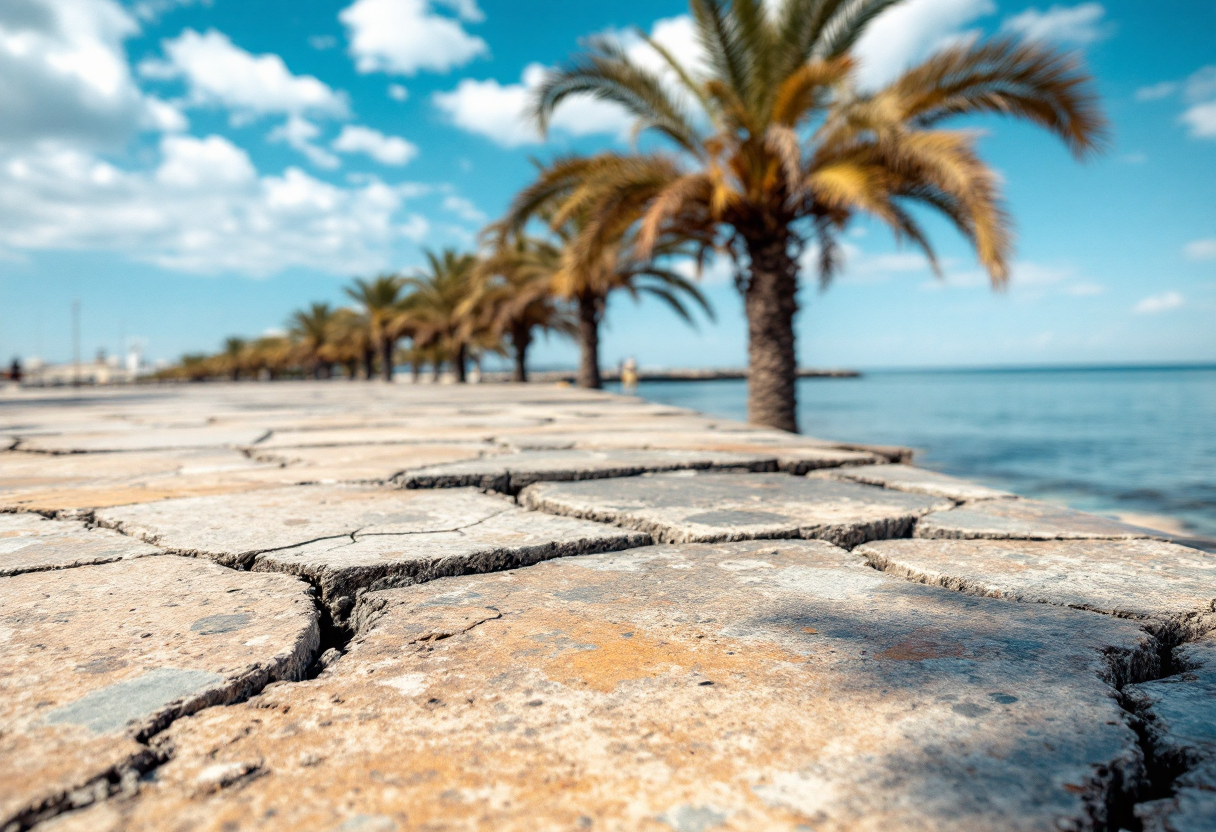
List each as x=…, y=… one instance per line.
x=370, y=607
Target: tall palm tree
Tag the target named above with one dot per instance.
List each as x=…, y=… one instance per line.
x=586, y=268
x=514, y=296
x=313, y=330
x=436, y=309
x=351, y=343
x=233, y=356
x=771, y=143
x=380, y=300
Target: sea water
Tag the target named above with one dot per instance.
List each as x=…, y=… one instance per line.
x=1135, y=443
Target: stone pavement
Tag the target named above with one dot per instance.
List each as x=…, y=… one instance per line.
x=338, y=606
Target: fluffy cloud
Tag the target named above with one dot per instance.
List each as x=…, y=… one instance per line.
x=64, y=75
x=217, y=72
x=1199, y=92
x=1201, y=250
x=405, y=36
x=912, y=30
x=299, y=134
x=388, y=150
x=463, y=208
x=204, y=208
x=499, y=111
x=1158, y=303
x=1078, y=25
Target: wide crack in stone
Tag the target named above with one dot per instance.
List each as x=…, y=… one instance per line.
x=1167, y=589
x=101, y=658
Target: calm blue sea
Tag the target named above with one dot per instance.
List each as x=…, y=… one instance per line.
x=1118, y=442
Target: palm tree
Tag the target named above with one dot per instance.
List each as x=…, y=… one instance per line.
x=587, y=268
x=351, y=343
x=381, y=302
x=771, y=144
x=436, y=309
x=313, y=329
x=514, y=297
x=233, y=356
x=272, y=354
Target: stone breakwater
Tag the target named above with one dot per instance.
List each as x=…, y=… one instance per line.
x=365, y=608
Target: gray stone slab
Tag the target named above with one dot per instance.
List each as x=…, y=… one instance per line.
x=233, y=528
x=1144, y=579
x=31, y=543
x=510, y=473
x=919, y=481
x=1025, y=520
x=97, y=658
x=778, y=685
x=506, y=539
x=677, y=508
x=1179, y=714
x=142, y=439
x=348, y=539
x=369, y=463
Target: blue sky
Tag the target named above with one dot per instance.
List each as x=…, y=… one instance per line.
x=191, y=170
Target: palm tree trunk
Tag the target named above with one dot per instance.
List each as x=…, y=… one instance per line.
x=352, y=370
x=386, y=358
x=416, y=370
x=459, y=360
x=771, y=302
x=369, y=363
x=589, y=341
x=521, y=338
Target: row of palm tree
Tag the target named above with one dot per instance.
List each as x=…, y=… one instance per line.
x=767, y=149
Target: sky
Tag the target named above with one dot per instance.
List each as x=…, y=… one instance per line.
x=193, y=169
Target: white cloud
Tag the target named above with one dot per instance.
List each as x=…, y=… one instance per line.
x=388, y=150
x=64, y=75
x=152, y=10
x=499, y=111
x=1085, y=290
x=217, y=72
x=405, y=36
x=1156, y=92
x=1201, y=119
x=1201, y=250
x=298, y=133
x=1081, y=25
x=463, y=208
x=397, y=92
x=322, y=42
x=1158, y=303
x=203, y=208
x=909, y=32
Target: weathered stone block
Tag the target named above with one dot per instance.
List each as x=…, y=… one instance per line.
x=676, y=508
x=918, y=481
x=142, y=439
x=1179, y=714
x=1173, y=586
x=753, y=686
x=1025, y=520
x=31, y=543
x=97, y=658
x=510, y=473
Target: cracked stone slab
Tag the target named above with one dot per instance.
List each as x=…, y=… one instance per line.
x=505, y=539
x=443, y=428
x=1025, y=520
x=78, y=482
x=919, y=481
x=233, y=528
x=763, y=685
x=368, y=463
x=31, y=543
x=1179, y=714
x=97, y=658
x=510, y=473
x=143, y=439
x=676, y=508
x=1143, y=579
x=806, y=455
